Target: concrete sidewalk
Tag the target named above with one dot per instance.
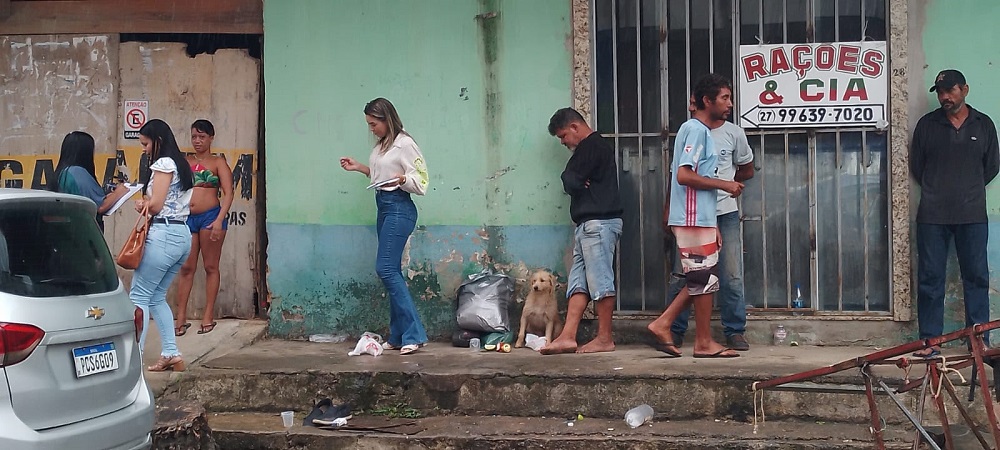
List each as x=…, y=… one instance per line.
x=229, y=335
x=628, y=360
x=244, y=380
x=241, y=346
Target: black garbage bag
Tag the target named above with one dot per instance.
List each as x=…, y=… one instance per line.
x=461, y=338
x=483, y=301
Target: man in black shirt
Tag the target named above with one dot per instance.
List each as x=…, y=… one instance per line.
x=591, y=180
x=953, y=156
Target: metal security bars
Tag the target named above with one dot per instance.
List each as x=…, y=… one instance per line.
x=815, y=217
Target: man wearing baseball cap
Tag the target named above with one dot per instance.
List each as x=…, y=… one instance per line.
x=953, y=156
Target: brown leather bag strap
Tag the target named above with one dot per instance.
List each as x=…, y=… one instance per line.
x=143, y=220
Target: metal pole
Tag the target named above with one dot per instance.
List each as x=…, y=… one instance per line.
x=920, y=407
x=977, y=352
x=876, y=357
x=902, y=408
x=942, y=414
x=876, y=427
x=965, y=415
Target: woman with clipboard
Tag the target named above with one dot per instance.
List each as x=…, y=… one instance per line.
x=397, y=170
x=75, y=175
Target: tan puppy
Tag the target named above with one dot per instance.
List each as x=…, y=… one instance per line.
x=540, y=315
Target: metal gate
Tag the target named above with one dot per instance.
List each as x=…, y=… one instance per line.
x=815, y=216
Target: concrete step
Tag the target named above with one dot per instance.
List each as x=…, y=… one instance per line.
x=440, y=380
x=264, y=431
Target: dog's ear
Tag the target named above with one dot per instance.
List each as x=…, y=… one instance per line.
x=552, y=280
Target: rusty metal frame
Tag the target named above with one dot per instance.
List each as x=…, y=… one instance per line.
x=978, y=358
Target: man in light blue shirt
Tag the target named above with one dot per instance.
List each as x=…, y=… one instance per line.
x=692, y=218
x=735, y=162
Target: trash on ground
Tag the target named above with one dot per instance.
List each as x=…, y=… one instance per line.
x=639, y=415
x=369, y=343
x=482, y=302
x=330, y=338
x=534, y=342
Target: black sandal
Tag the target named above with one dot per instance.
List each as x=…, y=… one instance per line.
x=182, y=330
x=205, y=329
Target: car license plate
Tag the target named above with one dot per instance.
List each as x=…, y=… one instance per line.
x=95, y=359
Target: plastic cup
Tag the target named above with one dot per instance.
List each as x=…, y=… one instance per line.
x=474, y=344
x=287, y=417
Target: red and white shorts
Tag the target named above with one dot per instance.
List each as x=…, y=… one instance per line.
x=699, y=255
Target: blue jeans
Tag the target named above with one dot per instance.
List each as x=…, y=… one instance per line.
x=167, y=247
x=397, y=216
x=593, y=270
x=731, y=299
x=932, y=259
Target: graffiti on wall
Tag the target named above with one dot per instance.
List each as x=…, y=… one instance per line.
x=37, y=171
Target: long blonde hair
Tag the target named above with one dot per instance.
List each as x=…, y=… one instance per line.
x=383, y=110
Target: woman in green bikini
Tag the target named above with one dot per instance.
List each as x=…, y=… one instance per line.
x=207, y=223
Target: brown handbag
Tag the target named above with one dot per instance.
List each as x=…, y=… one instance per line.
x=131, y=253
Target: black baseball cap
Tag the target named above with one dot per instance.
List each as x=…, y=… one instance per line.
x=947, y=78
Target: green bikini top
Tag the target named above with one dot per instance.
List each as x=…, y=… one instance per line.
x=204, y=177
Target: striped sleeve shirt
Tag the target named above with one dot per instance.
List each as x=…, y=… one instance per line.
x=693, y=147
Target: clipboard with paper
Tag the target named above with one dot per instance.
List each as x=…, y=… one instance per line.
x=132, y=189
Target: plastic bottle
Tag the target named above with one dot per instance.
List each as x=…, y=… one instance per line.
x=331, y=338
x=639, y=415
x=780, y=334
x=798, y=303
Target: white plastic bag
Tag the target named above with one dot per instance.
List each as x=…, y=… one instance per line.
x=534, y=342
x=369, y=343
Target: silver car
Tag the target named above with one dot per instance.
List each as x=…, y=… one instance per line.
x=70, y=370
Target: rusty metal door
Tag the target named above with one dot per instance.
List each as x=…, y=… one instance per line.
x=224, y=88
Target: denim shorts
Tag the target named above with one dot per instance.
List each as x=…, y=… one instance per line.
x=201, y=221
x=593, y=271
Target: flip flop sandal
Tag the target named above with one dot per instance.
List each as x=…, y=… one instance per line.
x=182, y=330
x=205, y=329
x=388, y=346
x=407, y=349
x=719, y=354
x=667, y=348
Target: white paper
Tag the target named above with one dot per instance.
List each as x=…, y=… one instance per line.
x=382, y=183
x=132, y=189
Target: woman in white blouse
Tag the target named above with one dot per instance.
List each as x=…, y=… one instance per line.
x=397, y=169
x=167, y=195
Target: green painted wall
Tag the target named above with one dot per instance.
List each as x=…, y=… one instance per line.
x=963, y=35
x=475, y=83
x=475, y=91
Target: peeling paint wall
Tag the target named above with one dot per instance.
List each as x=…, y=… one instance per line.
x=475, y=83
x=949, y=34
x=224, y=88
x=72, y=82
x=53, y=84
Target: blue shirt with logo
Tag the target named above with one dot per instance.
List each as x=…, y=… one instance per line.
x=693, y=147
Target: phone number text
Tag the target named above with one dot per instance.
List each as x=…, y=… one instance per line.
x=822, y=115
